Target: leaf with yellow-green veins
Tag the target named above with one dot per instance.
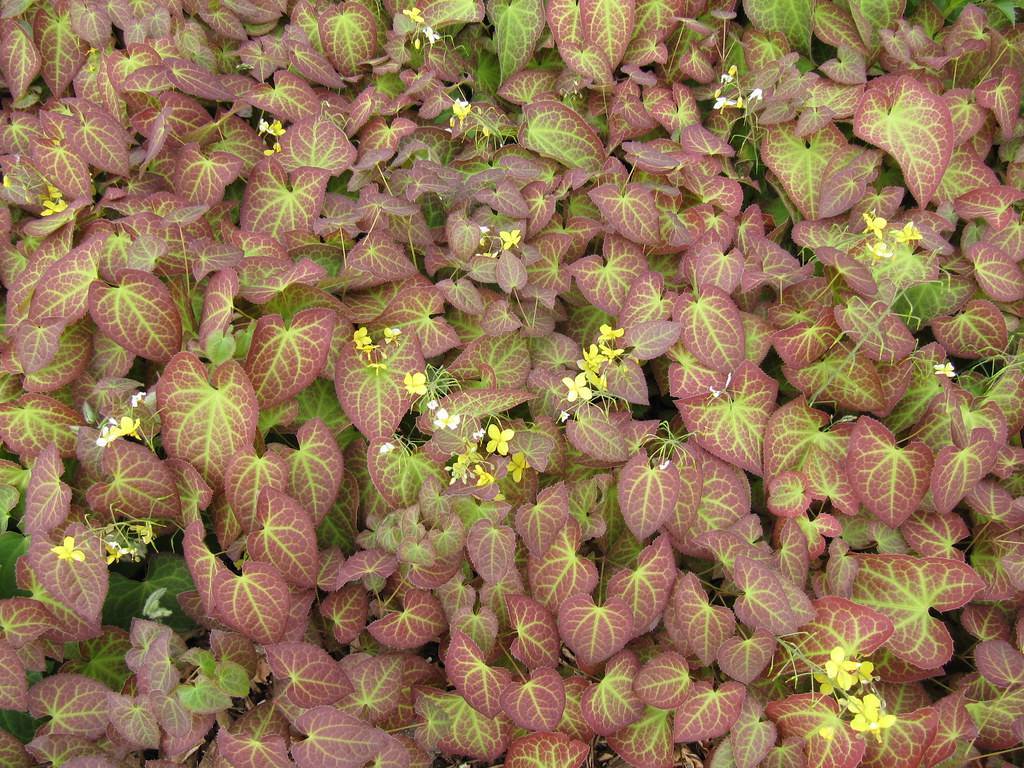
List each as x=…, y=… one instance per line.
x=561, y=571
x=518, y=25
x=910, y=122
x=712, y=328
x=245, y=477
x=745, y=658
x=308, y=676
x=839, y=622
x=206, y=417
x=481, y=684
x=375, y=398
x=607, y=26
x=76, y=705
x=536, y=704
x=694, y=625
x=276, y=202
x=647, y=495
x=906, y=589
x=47, y=499
x=768, y=601
x=536, y=643
x=33, y=422
x=350, y=36
x=890, y=481
x=976, y=331
x=611, y=703
x=594, y=632
x=663, y=681
x=708, y=712
x=202, y=178
x=139, y=484
x=558, y=132
x=20, y=61
x=904, y=744
x=62, y=51
x=282, y=359
x=336, y=739
x=317, y=143
x=646, y=587
x=139, y=314
x=421, y=620
x=460, y=729
x=285, y=538
x=315, y=469
x=63, y=289
x=791, y=17
x=647, y=741
x=814, y=720
x=732, y=426
x=538, y=523
x=546, y=750
x=800, y=161
x=255, y=603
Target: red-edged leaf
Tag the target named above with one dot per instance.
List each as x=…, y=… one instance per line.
x=536, y=704
x=309, y=676
x=610, y=704
x=708, y=712
x=482, y=685
x=647, y=495
x=47, y=499
x=556, y=131
x=282, y=360
x=207, y=418
x=594, y=632
x=903, y=117
x=421, y=620
x=664, y=681
x=546, y=750
x=889, y=480
x=537, y=643
x=75, y=704
x=255, y=603
x=906, y=589
x=712, y=328
x=335, y=739
x=285, y=538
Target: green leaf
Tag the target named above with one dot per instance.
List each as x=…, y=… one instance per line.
x=126, y=597
x=518, y=25
x=790, y=17
x=554, y=130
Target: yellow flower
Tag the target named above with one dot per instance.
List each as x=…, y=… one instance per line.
x=880, y=250
x=51, y=207
x=461, y=110
x=129, y=427
x=144, y=531
x=113, y=552
x=610, y=334
x=460, y=468
x=415, y=15
x=510, y=239
x=276, y=148
x=577, y=388
x=391, y=335
x=610, y=352
x=361, y=338
x=274, y=129
x=944, y=369
x=909, y=233
x=839, y=668
x=827, y=732
x=592, y=359
x=733, y=71
x=416, y=383
x=68, y=551
x=483, y=477
x=378, y=366
x=868, y=715
x=499, y=439
x=875, y=224
x=517, y=465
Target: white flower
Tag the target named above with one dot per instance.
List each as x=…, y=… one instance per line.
x=442, y=420
x=725, y=78
x=478, y=435
x=460, y=104
x=722, y=102
x=101, y=441
x=264, y=126
x=152, y=609
x=386, y=448
x=432, y=36
x=484, y=229
x=665, y=464
x=138, y=398
x=755, y=95
x=563, y=416
x=945, y=369
x=432, y=405
x=716, y=393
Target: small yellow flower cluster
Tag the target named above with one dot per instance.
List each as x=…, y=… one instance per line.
x=592, y=380
x=508, y=239
x=729, y=81
x=472, y=461
x=126, y=426
x=945, y=369
x=364, y=343
x=461, y=109
x=274, y=130
x=841, y=675
x=884, y=239
x=415, y=15
x=127, y=541
x=53, y=201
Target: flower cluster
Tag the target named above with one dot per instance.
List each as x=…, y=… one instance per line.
x=113, y=428
x=493, y=247
x=415, y=15
x=53, y=201
x=841, y=674
x=885, y=237
x=592, y=381
x=729, y=94
x=275, y=130
x=127, y=541
x=375, y=356
x=480, y=462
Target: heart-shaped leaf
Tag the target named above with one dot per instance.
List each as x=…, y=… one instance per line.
x=594, y=632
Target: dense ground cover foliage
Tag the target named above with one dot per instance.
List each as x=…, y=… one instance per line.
x=537, y=383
